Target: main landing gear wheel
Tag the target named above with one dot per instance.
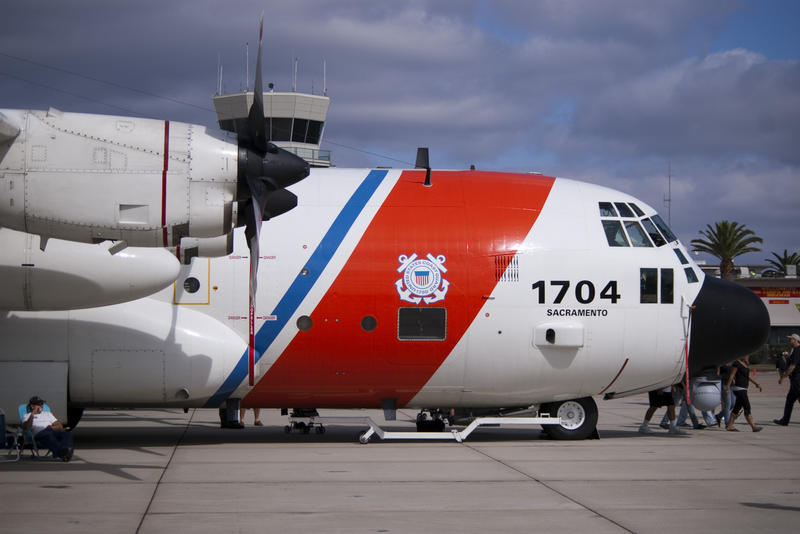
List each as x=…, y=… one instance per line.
x=578, y=418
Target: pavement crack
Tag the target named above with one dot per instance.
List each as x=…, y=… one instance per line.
x=549, y=487
x=164, y=471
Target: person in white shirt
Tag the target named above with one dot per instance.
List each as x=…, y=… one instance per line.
x=47, y=430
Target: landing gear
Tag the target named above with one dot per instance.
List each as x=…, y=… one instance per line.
x=304, y=421
x=578, y=419
x=229, y=414
x=434, y=424
x=74, y=415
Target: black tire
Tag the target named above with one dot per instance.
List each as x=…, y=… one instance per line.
x=430, y=425
x=74, y=415
x=579, y=418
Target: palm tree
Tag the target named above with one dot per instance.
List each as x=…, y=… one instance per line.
x=726, y=240
x=778, y=265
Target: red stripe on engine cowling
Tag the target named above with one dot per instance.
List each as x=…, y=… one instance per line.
x=470, y=217
x=165, y=167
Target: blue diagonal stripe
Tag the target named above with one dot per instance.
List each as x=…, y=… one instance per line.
x=302, y=284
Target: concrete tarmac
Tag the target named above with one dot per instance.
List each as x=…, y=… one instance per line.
x=154, y=471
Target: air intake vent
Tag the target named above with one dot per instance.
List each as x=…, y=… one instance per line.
x=506, y=268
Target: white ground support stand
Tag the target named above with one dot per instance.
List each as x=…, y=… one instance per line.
x=306, y=423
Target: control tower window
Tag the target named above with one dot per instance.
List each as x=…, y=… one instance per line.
x=314, y=132
x=280, y=128
x=637, y=235
x=299, y=130
x=614, y=234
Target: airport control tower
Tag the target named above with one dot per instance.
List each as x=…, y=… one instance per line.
x=295, y=121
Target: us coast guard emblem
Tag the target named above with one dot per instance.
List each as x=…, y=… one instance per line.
x=421, y=279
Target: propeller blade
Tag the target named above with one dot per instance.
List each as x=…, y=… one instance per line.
x=252, y=231
x=278, y=203
x=264, y=171
x=257, y=140
x=256, y=128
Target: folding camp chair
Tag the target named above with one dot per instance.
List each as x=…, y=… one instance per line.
x=28, y=440
x=11, y=440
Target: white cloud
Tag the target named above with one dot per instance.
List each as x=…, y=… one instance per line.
x=608, y=91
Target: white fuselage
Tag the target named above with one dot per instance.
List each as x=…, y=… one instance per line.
x=483, y=290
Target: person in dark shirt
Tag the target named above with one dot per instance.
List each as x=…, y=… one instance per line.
x=727, y=399
x=738, y=382
x=792, y=372
x=781, y=363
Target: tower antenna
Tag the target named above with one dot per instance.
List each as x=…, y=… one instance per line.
x=219, y=73
x=668, y=198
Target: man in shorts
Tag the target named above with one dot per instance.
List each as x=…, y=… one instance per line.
x=792, y=372
x=659, y=398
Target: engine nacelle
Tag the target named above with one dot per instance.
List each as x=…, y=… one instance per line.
x=68, y=276
x=208, y=247
x=149, y=353
x=90, y=178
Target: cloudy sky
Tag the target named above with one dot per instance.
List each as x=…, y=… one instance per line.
x=614, y=92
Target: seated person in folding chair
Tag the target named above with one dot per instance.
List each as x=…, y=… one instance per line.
x=47, y=431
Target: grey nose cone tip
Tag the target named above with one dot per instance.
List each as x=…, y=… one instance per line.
x=728, y=322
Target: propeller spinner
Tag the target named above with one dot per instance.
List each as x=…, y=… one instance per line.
x=264, y=171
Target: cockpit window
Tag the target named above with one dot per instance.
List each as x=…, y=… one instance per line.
x=607, y=210
x=642, y=232
x=637, y=235
x=614, y=234
x=624, y=210
x=681, y=257
x=653, y=232
x=664, y=228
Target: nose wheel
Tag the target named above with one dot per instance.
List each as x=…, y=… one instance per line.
x=578, y=418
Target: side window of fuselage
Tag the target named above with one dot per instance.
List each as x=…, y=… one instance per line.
x=421, y=324
x=649, y=285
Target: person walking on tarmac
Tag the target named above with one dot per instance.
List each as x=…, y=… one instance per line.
x=792, y=372
x=659, y=398
x=738, y=382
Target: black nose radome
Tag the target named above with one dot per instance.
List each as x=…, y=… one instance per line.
x=728, y=322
